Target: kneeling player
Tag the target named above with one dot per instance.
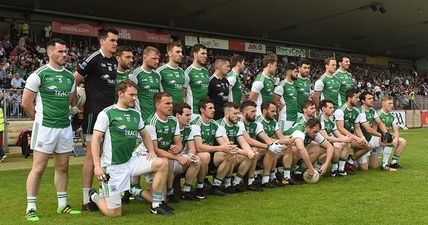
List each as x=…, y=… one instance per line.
x=398, y=142
x=244, y=155
x=340, y=143
x=119, y=124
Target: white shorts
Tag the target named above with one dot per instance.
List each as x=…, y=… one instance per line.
x=374, y=142
x=49, y=140
x=364, y=158
x=120, y=177
x=285, y=125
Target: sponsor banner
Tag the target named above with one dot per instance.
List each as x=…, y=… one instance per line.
x=190, y=40
x=400, y=115
x=75, y=28
x=214, y=43
x=124, y=33
x=424, y=118
x=235, y=45
x=254, y=47
x=314, y=54
x=296, y=52
x=144, y=36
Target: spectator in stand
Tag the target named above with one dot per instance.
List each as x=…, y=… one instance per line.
x=17, y=81
x=2, y=155
x=13, y=100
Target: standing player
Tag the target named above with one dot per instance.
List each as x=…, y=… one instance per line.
x=125, y=60
x=285, y=97
x=303, y=83
x=263, y=87
x=172, y=75
x=327, y=86
x=340, y=143
x=147, y=80
x=237, y=63
x=348, y=124
x=52, y=86
x=398, y=142
x=244, y=154
x=99, y=73
x=197, y=78
x=218, y=89
x=182, y=111
x=209, y=138
x=344, y=77
x=120, y=126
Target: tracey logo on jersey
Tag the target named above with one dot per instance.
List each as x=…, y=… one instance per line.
x=54, y=89
x=127, y=133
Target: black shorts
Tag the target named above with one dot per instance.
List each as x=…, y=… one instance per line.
x=89, y=122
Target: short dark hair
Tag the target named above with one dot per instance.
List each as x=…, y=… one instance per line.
x=303, y=61
x=269, y=58
x=230, y=105
x=312, y=122
x=171, y=45
x=196, y=48
x=103, y=32
x=246, y=104
x=124, y=84
x=305, y=104
x=351, y=92
x=266, y=104
x=158, y=96
x=328, y=59
x=178, y=108
x=123, y=48
x=363, y=95
x=235, y=59
x=203, y=103
x=324, y=102
x=290, y=66
x=341, y=57
x=53, y=41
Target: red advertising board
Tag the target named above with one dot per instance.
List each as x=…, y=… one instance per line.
x=235, y=45
x=424, y=118
x=124, y=33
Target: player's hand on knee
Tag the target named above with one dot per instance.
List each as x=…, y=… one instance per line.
x=183, y=161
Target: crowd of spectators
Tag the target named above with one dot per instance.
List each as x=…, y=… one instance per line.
x=19, y=58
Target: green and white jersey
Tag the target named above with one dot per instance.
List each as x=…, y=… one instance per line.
x=162, y=131
x=235, y=82
x=186, y=136
x=148, y=85
x=388, y=119
x=172, y=82
x=208, y=132
x=300, y=120
x=329, y=125
x=252, y=128
x=369, y=116
x=53, y=88
x=121, y=129
x=196, y=82
x=269, y=127
x=349, y=116
x=119, y=77
x=298, y=131
x=232, y=131
x=345, y=80
x=288, y=94
x=303, y=88
x=329, y=87
x=264, y=86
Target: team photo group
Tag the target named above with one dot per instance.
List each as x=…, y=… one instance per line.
x=151, y=125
